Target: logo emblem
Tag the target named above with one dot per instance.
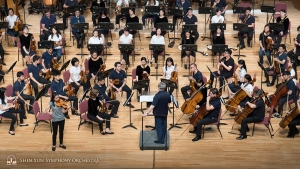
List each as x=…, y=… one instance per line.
x=11, y=160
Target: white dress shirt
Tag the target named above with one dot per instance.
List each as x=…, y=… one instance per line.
x=156, y=40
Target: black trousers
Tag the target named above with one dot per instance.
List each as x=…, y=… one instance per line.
x=293, y=123
x=26, y=97
x=282, y=101
x=221, y=78
x=274, y=75
x=155, y=54
x=118, y=17
x=184, y=91
x=279, y=37
x=85, y=86
x=79, y=36
x=1, y=77
x=126, y=55
x=75, y=101
x=94, y=17
x=65, y=19
x=249, y=35
x=100, y=123
x=175, y=17
x=170, y=90
x=42, y=81
x=250, y=119
x=9, y=114
x=161, y=128
x=1, y=52
x=55, y=125
x=204, y=121
x=115, y=107
x=127, y=90
x=293, y=56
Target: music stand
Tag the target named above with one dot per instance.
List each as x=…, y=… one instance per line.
x=127, y=47
x=81, y=27
x=124, y=105
x=96, y=47
x=65, y=65
x=238, y=10
x=240, y=27
x=84, y=94
x=218, y=48
x=175, y=12
x=106, y=26
x=40, y=94
x=205, y=10
x=141, y=84
x=134, y=27
x=276, y=26
x=72, y=9
x=165, y=26
x=125, y=11
x=261, y=75
x=97, y=10
x=152, y=10
x=189, y=47
x=268, y=9
x=45, y=44
x=58, y=26
x=106, y=73
x=3, y=25
x=11, y=68
x=190, y=27
x=215, y=76
x=156, y=47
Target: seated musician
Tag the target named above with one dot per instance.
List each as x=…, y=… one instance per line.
x=157, y=39
x=11, y=19
x=59, y=87
x=94, y=63
x=188, y=56
x=95, y=115
x=25, y=40
x=126, y=38
x=19, y=86
x=79, y=34
x=161, y=18
x=120, y=75
x=131, y=18
x=218, y=38
x=75, y=78
x=185, y=5
x=47, y=58
x=141, y=71
x=265, y=48
x=66, y=5
x=292, y=72
x=281, y=58
x=120, y=4
x=249, y=20
x=149, y=3
x=196, y=76
x=291, y=87
x=35, y=79
x=103, y=89
x=96, y=39
x=292, y=125
x=190, y=19
x=167, y=71
x=219, y=4
x=103, y=19
x=57, y=38
x=283, y=18
x=96, y=3
x=218, y=18
x=295, y=53
x=213, y=105
x=47, y=20
x=256, y=116
x=225, y=69
x=240, y=76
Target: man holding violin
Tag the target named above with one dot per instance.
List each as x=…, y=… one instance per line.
x=47, y=58
x=280, y=62
x=117, y=79
x=213, y=106
x=196, y=77
x=256, y=116
x=101, y=87
x=59, y=87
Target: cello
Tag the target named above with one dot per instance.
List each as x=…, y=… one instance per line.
x=280, y=92
x=285, y=121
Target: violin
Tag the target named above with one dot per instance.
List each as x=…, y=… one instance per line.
x=145, y=75
x=62, y=103
x=55, y=64
x=116, y=81
x=32, y=44
x=29, y=89
x=174, y=75
x=246, y=18
x=15, y=102
x=277, y=66
x=112, y=95
x=48, y=73
x=83, y=75
x=102, y=68
x=103, y=107
x=221, y=67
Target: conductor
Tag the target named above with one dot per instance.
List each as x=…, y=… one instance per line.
x=160, y=107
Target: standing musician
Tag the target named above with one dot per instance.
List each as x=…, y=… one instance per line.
x=25, y=40
x=185, y=55
x=96, y=3
x=75, y=76
x=131, y=18
x=161, y=18
x=66, y=5
x=283, y=18
x=94, y=63
x=119, y=75
x=11, y=19
x=293, y=54
x=95, y=115
x=291, y=87
x=58, y=119
x=159, y=40
x=79, y=34
x=120, y=4
x=220, y=4
x=47, y=58
x=266, y=38
x=126, y=38
x=103, y=18
x=292, y=125
x=190, y=18
x=19, y=86
x=213, y=105
x=185, y=5
x=196, y=76
x=142, y=72
x=101, y=87
x=225, y=69
x=167, y=71
x=57, y=38
x=160, y=107
x=280, y=59
x=8, y=111
x=249, y=20
x=256, y=116
x=150, y=3
x=47, y=20
x=35, y=79
x=96, y=39
x=58, y=86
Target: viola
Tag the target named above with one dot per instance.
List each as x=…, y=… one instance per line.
x=174, y=75
x=48, y=73
x=145, y=76
x=277, y=66
x=32, y=44
x=29, y=88
x=1, y=65
x=221, y=67
x=70, y=90
x=103, y=107
x=62, y=103
x=55, y=64
x=102, y=68
x=268, y=44
x=112, y=95
x=116, y=81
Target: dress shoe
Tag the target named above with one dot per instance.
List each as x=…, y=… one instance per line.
x=193, y=131
x=3, y=63
x=270, y=84
x=30, y=111
x=130, y=105
x=197, y=138
x=265, y=81
x=75, y=113
x=67, y=116
x=248, y=44
x=297, y=132
x=241, y=137
x=115, y=116
x=232, y=114
x=62, y=146
x=242, y=46
x=53, y=148
x=290, y=135
x=47, y=95
x=24, y=117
